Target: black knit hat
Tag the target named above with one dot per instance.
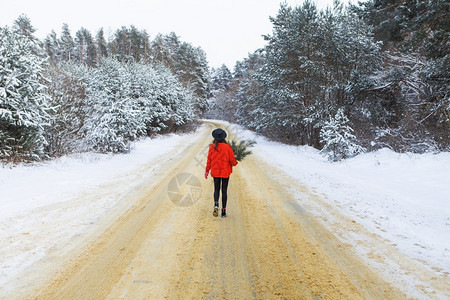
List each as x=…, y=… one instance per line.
x=219, y=134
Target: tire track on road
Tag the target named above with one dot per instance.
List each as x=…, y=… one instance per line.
x=262, y=250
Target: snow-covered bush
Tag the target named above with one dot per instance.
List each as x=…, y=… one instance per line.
x=23, y=98
x=338, y=140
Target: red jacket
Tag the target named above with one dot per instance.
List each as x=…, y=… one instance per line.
x=220, y=161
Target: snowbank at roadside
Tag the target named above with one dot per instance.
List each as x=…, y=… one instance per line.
x=27, y=187
x=47, y=204
x=404, y=198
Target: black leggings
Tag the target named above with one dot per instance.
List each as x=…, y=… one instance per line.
x=217, y=182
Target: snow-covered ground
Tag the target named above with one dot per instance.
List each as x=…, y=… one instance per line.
x=28, y=187
x=52, y=203
x=404, y=198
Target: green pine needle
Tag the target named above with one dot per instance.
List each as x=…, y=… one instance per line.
x=240, y=149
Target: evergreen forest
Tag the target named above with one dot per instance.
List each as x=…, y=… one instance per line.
x=345, y=80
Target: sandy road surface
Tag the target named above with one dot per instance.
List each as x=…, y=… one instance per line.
x=268, y=247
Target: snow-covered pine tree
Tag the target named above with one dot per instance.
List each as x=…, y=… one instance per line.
x=191, y=68
x=85, y=50
x=249, y=91
x=290, y=76
x=52, y=47
x=67, y=44
x=220, y=79
x=176, y=101
x=222, y=104
x=415, y=36
x=151, y=97
x=239, y=69
x=67, y=91
x=22, y=27
x=130, y=44
x=23, y=95
x=79, y=47
x=160, y=52
x=102, y=48
x=307, y=65
x=188, y=63
x=91, y=49
x=112, y=123
x=338, y=139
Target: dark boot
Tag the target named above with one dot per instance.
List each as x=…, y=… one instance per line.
x=216, y=209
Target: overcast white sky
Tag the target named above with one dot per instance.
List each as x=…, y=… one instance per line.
x=227, y=30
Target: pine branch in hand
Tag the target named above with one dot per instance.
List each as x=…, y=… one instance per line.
x=240, y=149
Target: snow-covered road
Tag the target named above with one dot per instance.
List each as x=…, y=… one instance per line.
x=392, y=209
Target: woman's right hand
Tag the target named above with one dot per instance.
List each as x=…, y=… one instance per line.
x=206, y=174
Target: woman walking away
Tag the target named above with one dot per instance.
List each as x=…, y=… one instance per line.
x=220, y=161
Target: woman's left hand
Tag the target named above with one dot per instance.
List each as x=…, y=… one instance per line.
x=206, y=174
